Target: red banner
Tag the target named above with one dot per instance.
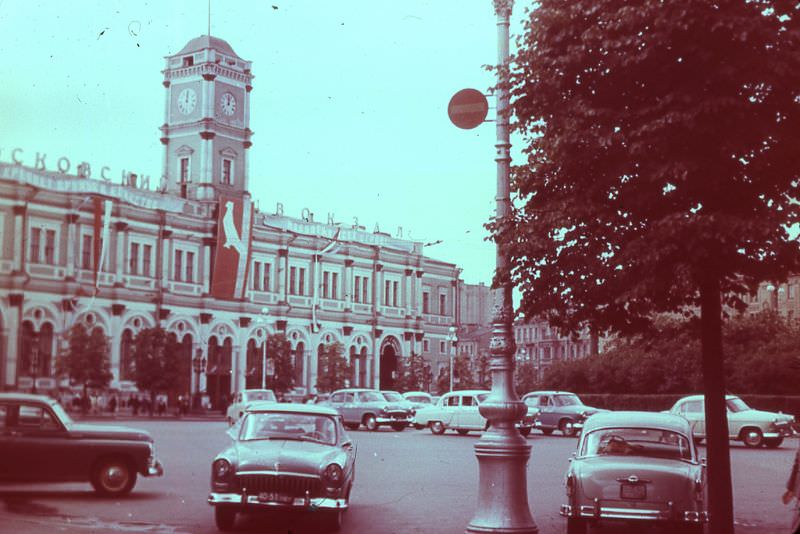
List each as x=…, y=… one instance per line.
x=232, y=259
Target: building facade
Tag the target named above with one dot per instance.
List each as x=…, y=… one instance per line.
x=539, y=344
x=196, y=258
x=784, y=299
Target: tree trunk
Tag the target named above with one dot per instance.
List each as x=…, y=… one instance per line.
x=720, y=493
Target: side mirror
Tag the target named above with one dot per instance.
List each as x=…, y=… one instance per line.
x=347, y=445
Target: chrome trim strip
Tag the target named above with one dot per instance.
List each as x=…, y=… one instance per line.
x=252, y=502
x=276, y=473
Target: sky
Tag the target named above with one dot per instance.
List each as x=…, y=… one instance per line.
x=349, y=103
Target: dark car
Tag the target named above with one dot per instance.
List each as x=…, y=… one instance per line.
x=370, y=408
x=558, y=410
x=284, y=457
x=39, y=442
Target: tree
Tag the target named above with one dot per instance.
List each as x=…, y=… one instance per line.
x=279, y=350
x=415, y=374
x=661, y=171
x=525, y=378
x=86, y=359
x=157, y=366
x=332, y=367
x=483, y=375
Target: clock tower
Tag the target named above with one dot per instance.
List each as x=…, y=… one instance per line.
x=206, y=131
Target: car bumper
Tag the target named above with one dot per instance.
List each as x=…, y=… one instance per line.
x=390, y=420
x=256, y=502
x=154, y=469
x=779, y=431
x=637, y=514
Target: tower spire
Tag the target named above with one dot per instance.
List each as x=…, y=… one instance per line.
x=209, y=18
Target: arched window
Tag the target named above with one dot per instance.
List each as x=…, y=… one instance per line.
x=127, y=369
x=299, y=364
x=45, y=363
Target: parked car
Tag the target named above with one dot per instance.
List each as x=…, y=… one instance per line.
x=41, y=443
x=637, y=468
x=396, y=398
x=419, y=399
x=243, y=398
x=370, y=408
x=459, y=411
x=558, y=410
x=752, y=427
x=284, y=457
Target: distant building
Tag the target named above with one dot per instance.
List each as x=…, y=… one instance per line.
x=539, y=343
x=784, y=299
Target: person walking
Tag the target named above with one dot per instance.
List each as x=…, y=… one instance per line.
x=793, y=491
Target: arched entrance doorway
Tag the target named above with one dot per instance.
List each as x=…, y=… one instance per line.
x=390, y=351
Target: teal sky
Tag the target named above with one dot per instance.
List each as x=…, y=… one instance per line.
x=349, y=105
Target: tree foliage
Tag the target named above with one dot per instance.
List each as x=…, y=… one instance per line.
x=279, y=350
x=156, y=360
x=86, y=359
x=332, y=367
x=661, y=170
x=414, y=373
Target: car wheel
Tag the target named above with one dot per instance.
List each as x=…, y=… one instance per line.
x=773, y=443
x=525, y=431
x=113, y=477
x=437, y=427
x=352, y=426
x=566, y=428
x=546, y=431
x=225, y=518
x=576, y=525
x=462, y=431
x=752, y=437
x=399, y=427
x=370, y=422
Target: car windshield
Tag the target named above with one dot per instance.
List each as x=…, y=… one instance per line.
x=418, y=398
x=736, y=405
x=371, y=396
x=288, y=426
x=61, y=413
x=392, y=396
x=642, y=442
x=259, y=395
x=567, y=400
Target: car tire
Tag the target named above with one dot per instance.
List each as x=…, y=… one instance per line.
x=566, y=428
x=437, y=428
x=752, y=437
x=224, y=518
x=399, y=427
x=526, y=431
x=576, y=525
x=462, y=431
x=546, y=431
x=773, y=443
x=352, y=426
x=370, y=422
x=113, y=477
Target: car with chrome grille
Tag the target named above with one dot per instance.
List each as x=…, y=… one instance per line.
x=284, y=457
x=636, y=468
x=369, y=407
x=558, y=410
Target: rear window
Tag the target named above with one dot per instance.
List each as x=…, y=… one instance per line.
x=640, y=442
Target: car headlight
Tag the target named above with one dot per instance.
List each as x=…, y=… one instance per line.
x=221, y=469
x=333, y=475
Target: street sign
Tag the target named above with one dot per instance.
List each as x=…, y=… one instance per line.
x=468, y=108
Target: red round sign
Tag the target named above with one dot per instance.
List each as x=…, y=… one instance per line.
x=468, y=108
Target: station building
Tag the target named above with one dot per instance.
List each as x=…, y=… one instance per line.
x=193, y=255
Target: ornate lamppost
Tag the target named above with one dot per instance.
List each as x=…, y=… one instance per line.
x=502, y=452
x=453, y=339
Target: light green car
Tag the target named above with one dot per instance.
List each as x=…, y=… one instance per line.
x=752, y=427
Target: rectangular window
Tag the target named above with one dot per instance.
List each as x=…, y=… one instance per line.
x=49, y=246
x=133, y=259
x=792, y=291
x=334, y=285
x=184, y=171
x=265, y=286
x=301, y=284
x=365, y=289
x=426, y=302
x=357, y=290
x=325, y=284
x=386, y=289
x=36, y=237
x=293, y=280
x=395, y=286
x=227, y=171
x=443, y=347
x=86, y=252
x=147, y=255
x=442, y=304
x=178, y=265
x=188, y=61
x=257, y=275
x=189, y=267
x=426, y=345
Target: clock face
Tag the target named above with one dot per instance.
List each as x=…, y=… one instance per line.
x=186, y=101
x=228, y=104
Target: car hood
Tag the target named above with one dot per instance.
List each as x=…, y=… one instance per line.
x=113, y=432
x=669, y=480
x=759, y=415
x=286, y=455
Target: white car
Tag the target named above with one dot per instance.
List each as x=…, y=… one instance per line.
x=243, y=398
x=457, y=410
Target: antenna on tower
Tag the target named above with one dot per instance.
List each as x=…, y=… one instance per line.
x=209, y=18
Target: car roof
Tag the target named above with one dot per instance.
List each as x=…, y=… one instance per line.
x=291, y=407
x=417, y=393
x=701, y=397
x=467, y=392
x=634, y=419
x=353, y=390
x=256, y=389
x=25, y=396
x=553, y=392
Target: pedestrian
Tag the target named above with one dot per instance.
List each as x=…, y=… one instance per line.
x=112, y=404
x=793, y=491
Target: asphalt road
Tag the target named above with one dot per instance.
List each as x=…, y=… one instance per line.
x=406, y=482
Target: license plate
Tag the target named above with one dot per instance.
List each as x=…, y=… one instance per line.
x=271, y=496
x=633, y=491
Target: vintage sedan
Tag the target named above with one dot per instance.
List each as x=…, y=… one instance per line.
x=460, y=411
x=284, y=457
x=243, y=399
x=752, y=427
x=558, y=410
x=39, y=442
x=370, y=408
x=637, y=468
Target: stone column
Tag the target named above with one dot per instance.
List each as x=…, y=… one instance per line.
x=205, y=275
x=408, y=295
x=348, y=285
x=418, y=294
x=115, y=338
x=122, y=235
x=73, y=244
x=166, y=253
x=282, y=274
x=19, y=235
x=13, y=323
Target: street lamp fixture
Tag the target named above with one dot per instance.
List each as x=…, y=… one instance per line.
x=199, y=366
x=453, y=339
